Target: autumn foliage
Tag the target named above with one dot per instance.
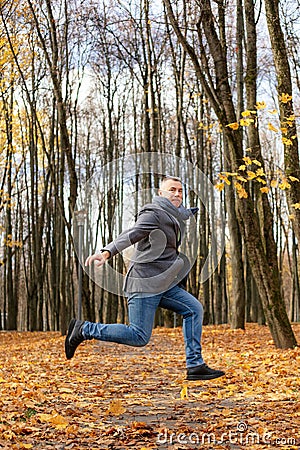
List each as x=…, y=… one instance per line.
x=117, y=397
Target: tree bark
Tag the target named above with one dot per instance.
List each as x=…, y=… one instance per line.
x=287, y=112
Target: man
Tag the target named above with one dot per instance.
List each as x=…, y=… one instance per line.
x=153, y=280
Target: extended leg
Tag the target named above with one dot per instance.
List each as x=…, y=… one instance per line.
x=141, y=312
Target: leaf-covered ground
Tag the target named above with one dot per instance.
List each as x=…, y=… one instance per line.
x=116, y=397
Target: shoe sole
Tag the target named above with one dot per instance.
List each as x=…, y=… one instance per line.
x=203, y=377
x=70, y=331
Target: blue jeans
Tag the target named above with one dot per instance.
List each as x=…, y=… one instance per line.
x=141, y=312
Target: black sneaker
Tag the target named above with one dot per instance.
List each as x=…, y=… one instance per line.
x=74, y=337
x=203, y=372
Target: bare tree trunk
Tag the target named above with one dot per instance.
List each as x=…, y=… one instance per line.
x=12, y=301
x=287, y=112
x=238, y=301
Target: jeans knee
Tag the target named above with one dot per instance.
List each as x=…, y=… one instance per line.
x=200, y=307
x=142, y=341
x=196, y=312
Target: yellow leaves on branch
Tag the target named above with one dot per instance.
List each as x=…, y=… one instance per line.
x=224, y=177
x=241, y=191
x=245, y=175
x=286, y=141
x=9, y=242
x=246, y=122
x=264, y=190
x=247, y=119
x=284, y=184
x=248, y=113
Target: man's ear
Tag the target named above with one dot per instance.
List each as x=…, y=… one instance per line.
x=159, y=192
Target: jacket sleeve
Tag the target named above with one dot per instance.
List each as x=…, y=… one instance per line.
x=147, y=221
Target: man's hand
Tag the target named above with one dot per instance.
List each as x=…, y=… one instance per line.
x=98, y=258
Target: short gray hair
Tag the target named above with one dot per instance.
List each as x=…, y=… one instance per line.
x=169, y=177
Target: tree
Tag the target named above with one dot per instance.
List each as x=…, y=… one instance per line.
x=258, y=238
x=287, y=112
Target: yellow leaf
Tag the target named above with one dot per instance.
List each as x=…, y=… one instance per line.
x=242, y=193
x=230, y=174
x=285, y=98
x=291, y=118
x=293, y=178
x=274, y=183
x=246, y=122
x=251, y=175
x=273, y=111
x=260, y=173
x=247, y=160
x=184, y=392
x=284, y=130
x=240, y=190
x=220, y=186
x=44, y=417
x=242, y=167
x=116, y=408
x=246, y=113
x=272, y=128
x=264, y=189
x=284, y=185
x=257, y=163
x=54, y=419
x=261, y=105
x=233, y=126
x=59, y=421
x=296, y=205
x=240, y=178
x=286, y=141
x=261, y=180
x=224, y=178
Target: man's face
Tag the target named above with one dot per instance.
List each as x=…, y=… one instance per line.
x=172, y=190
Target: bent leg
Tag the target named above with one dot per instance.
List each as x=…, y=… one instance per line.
x=185, y=304
x=141, y=312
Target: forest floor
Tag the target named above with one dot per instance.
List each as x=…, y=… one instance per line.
x=116, y=397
